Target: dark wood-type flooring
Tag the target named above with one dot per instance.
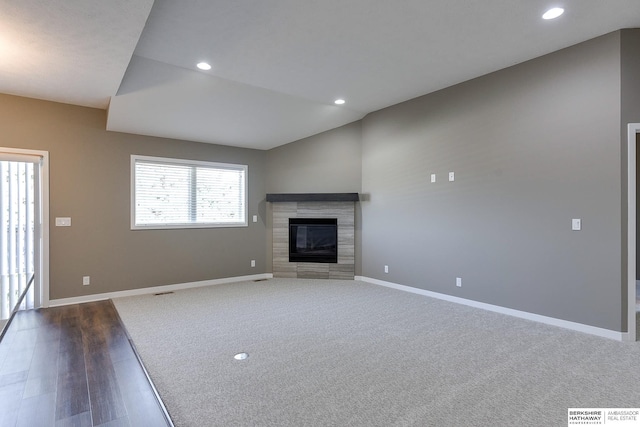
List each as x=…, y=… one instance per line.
x=73, y=366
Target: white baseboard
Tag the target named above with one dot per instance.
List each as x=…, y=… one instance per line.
x=605, y=333
x=156, y=289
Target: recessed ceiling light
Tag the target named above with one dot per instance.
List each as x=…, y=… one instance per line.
x=553, y=13
x=339, y=101
x=203, y=66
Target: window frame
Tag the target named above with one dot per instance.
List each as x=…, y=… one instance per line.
x=194, y=163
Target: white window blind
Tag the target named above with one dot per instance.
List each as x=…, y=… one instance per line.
x=174, y=193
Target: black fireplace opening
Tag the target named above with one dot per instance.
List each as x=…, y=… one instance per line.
x=313, y=240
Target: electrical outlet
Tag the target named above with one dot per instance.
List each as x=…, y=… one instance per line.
x=459, y=282
x=253, y=263
x=86, y=280
x=255, y=218
x=386, y=268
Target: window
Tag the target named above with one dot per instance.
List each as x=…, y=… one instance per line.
x=173, y=193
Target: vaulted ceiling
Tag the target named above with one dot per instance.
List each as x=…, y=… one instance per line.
x=277, y=65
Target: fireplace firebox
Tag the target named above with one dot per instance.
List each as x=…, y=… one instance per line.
x=313, y=240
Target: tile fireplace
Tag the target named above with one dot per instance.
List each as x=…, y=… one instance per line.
x=320, y=215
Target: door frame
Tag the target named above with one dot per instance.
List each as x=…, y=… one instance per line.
x=41, y=282
x=633, y=129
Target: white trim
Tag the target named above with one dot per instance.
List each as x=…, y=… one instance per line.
x=41, y=295
x=18, y=156
x=156, y=289
x=632, y=130
x=605, y=333
x=45, y=229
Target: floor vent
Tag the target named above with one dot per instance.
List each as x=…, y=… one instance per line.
x=163, y=293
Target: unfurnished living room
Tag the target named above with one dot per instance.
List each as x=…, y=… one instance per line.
x=335, y=213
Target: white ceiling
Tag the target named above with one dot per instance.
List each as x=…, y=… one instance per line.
x=73, y=51
x=278, y=65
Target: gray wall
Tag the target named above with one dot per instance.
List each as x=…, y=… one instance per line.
x=630, y=80
x=329, y=162
x=325, y=163
x=89, y=182
x=532, y=147
x=630, y=94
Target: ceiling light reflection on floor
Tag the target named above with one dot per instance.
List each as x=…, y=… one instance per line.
x=241, y=356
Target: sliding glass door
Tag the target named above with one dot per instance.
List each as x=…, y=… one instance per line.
x=20, y=230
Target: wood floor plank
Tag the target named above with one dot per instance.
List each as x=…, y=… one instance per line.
x=115, y=337
x=37, y=411
x=42, y=378
x=41, y=384
x=10, y=398
x=141, y=403
x=19, y=357
x=25, y=320
x=13, y=378
x=117, y=340
x=120, y=422
x=104, y=392
x=106, y=401
x=71, y=350
x=6, y=345
x=72, y=391
x=72, y=395
x=78, y=420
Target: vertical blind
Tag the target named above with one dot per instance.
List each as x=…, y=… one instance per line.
x=17, y=218
x=174, y=193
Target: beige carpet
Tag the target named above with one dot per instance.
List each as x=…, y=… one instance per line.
x=345, y=353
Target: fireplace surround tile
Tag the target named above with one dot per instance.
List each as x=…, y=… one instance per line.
x=344, y=211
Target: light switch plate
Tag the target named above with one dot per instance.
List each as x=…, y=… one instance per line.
x=63, y=222
x=576, y=224
x=255, y=218
x=452, y=176
x=433, y=177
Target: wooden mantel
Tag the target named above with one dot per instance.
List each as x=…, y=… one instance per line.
x=313, y=197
